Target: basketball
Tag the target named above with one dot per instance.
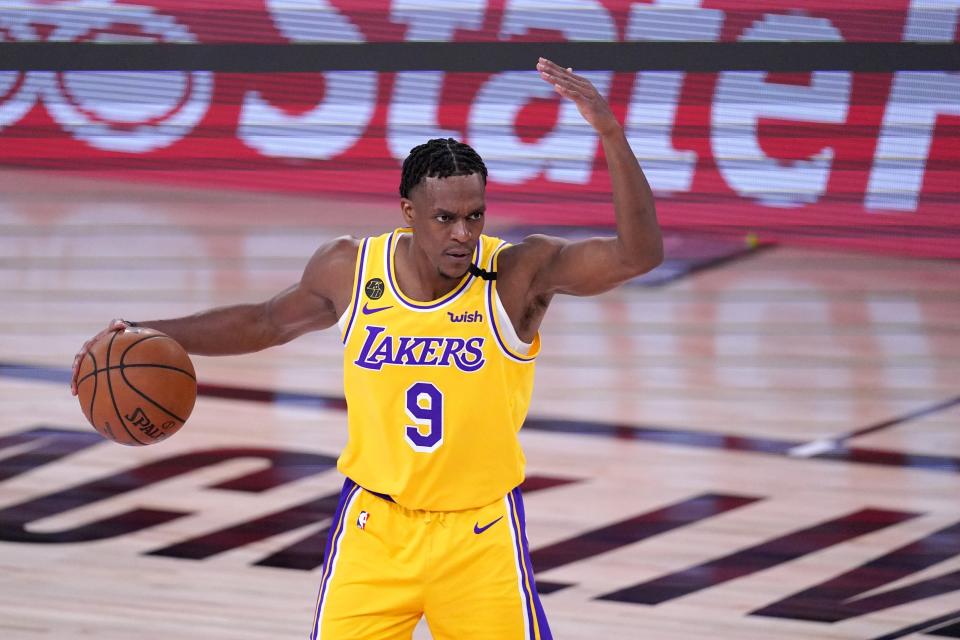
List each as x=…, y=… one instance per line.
x=136, y=386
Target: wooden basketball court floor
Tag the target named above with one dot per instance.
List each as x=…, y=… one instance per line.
x=765, y=449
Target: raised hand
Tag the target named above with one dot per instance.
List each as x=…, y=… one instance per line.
x=593, y=107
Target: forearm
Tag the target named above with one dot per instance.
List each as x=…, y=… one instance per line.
x=638, y=246
x=638, y=232
x=222, y=331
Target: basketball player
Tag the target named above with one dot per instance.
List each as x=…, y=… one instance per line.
x=440, y=331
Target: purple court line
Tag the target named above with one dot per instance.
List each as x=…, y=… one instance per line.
x=913, y=415
x=839, y=452
x=287, y=398
x=830, y=447
x=928, y=626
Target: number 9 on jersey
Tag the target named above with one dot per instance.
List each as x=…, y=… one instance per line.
x=425, y=408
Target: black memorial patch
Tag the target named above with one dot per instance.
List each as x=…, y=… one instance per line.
x=374, y=288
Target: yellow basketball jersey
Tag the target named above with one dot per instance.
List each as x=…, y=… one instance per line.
x=436, y=391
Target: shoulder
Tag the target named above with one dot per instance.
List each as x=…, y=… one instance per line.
x=521, y=268
x=531, y=253
x=333, y=261
x=337, y=252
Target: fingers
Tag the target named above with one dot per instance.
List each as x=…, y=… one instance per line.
x=551, y=68
x=115, y=325
x=564, y=80
x=76, y=363
x=551, y=72
x=76, y=370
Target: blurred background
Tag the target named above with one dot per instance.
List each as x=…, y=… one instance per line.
x=795, y=360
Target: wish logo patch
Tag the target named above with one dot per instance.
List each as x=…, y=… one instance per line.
x=466, y=316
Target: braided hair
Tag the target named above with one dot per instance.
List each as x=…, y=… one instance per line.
x=439, y=158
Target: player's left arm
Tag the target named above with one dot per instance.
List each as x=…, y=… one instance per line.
x=592, y=266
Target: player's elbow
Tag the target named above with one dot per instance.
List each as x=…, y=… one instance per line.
x=653, y=255
x=643, y=257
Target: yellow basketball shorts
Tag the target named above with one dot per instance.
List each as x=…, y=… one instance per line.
x=468, y=572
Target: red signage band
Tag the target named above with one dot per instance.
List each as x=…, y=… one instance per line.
x=856, y=160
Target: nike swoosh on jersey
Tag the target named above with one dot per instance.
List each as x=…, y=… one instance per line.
x=478, y=529
x=367, y=310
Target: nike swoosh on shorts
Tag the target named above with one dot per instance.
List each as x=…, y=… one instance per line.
x=478, y=529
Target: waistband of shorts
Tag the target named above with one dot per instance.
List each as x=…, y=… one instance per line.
x=388, y=498
x=379, y=495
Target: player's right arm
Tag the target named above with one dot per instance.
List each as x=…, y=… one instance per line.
x=313, y=303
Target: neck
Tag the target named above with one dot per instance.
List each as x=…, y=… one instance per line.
x=417, y=277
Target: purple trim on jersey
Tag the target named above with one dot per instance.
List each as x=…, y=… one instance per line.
x=356, y=293
x=526, y=582
x=493, y=316
x=388, y=258
x=332, y=548
x=541, y=615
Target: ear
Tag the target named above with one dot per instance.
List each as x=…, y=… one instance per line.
x=406, y=209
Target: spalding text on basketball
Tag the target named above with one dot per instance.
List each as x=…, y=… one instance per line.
x=140, y=420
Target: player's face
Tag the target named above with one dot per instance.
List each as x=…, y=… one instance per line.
x=446, y=215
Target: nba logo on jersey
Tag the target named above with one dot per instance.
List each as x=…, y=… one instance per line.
x=362, y=520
